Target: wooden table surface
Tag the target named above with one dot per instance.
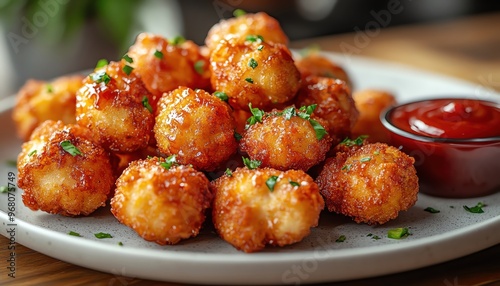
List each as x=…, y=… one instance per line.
x=467, y=48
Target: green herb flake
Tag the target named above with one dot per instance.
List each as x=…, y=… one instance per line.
x=251, y=164
x=158, y=54
x=289, y=112
x=4, y=189
x=169, y=162
x=398, y=233
x=237, y=136
x=346, y=167
x=257, y=115
x=70, y=148
x=128, y=59
x=177, y=40
x=145, y=103
x=375, y=237
x=239, y=12
x=102, y=235
x=50, y=88
x=199, y=66
x=222, y=95
x=252, y=63
x=74, y=234
x=431, y=210
x=318, y=128
x=295, y=184
x=100, y=76
x=365, y=159
x=260, y=48
x=341, y=238
x=271, y=182
x=101, y=63
x=249, y=80
x=477, y=209
x=355, y=142
x=228, y=172
x=255, y=38
x=31, y=153
x=376, y=152
x=127, y=69
x=120, y=243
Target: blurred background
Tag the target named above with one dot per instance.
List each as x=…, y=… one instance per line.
x=43, y=39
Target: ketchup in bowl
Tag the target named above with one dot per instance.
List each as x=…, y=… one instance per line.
x=455, y=143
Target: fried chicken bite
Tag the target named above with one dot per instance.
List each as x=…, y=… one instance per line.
x=239, y=28
x=165, y=64
x=259, y=207
x=196, y=126
x=37, y=101
x=254, y=71
x=161, y=201
x=371, y=184
x=288, y=139
x=315, y=64
x=62, y=170
x=335, y=104
x=370, y=103
x=115, y=105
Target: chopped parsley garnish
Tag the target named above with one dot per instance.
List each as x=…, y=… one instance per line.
x=100, y=76
x=398, y=233
x=346, y=167
x=177, y=40
x=249, y=80
x=251, y=164
x=374, y=237
x=4, y=189
x=222, y=95
x=376, y=152
x=295, y=184
x=31, y=153
x=145, y=103
x=158, y=54
x=260, y=47
x=305, y=113
x=102, y=235
x=169, y=161
x=252, y=63
x=239, y=12
x=237, y=136
x=120, y=243
x=318, y=128
x=255, y=38
x=127, y=69
x=128, y=59
x=271, y=182
x=477, y=209
x=50, y=88
x=199, y=66
x=356, y=142
x=228, y=172
x=101, y=63
x=341, y=238
x=431, y=210
x=257, y=115
x=74, y=233
x=70, y=148
x=365, y=159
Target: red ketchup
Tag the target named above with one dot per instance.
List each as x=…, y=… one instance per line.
x=455, y=143
x=450, y=118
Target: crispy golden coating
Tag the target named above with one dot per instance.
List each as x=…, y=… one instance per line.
x=285, y=142
x=254, y=72
x=162, y=205
x=318, y=65
x=335, y=104
x=249, y=214
x=112, y=105
x=241, y=116
x=239, y=28
x=371, y=184
x=38, y=101
x=164, y=65
x=370, y=103
x=196, y=126
x=58, y=182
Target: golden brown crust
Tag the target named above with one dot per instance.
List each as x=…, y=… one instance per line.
x=284, y=144
x=37, y=101
x=371, y=184
x=161, y=205
x=196, y=126
x=57, y=182
x=178, y=65
x=115, y=111
x=335, y=104
x=255, y=72
x=314, y=64
x=249, y=24
x=249, y=215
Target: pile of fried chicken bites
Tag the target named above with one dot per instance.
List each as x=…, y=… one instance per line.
x=241, y=127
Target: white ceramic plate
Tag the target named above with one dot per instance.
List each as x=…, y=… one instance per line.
x=207, y=259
